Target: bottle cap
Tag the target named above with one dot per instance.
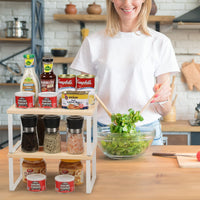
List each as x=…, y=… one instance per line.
x=29, y=120
x=52, y=121
x=75, y=122
x=47, y=59
x=29, y=56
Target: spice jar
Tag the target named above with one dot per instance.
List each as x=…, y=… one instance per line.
x=52, y=139
x=29, y=133
x=75, y=143
x=33, y=166
x=74, y=168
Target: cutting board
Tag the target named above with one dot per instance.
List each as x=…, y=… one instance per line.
x=188, y=162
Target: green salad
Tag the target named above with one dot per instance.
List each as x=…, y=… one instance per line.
x=124, y=139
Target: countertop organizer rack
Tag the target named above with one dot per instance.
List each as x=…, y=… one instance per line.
x=89, y=152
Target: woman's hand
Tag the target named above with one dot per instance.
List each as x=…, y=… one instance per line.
x=162, y=94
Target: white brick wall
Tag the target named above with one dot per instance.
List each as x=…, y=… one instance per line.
x=67, y=35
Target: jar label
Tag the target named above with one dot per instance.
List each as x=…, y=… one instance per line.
x=65, y=187
x=29, y=62
x=48, y=67
x=47, y=85
x=28, y=85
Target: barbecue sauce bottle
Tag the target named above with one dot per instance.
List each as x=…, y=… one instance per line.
x=48, y=78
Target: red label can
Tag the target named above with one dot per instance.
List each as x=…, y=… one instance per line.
x=24, y=99
x=64, y=183
x=66, y=81
x=36, y=182
x=85, y=81
x=47, y=99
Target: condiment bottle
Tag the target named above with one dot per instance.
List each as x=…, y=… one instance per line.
x=52, y=139
x=29, y=81
x=33, y=166
x=74, y=168
x=29, y=133
x=75, y=143
x=48, y=78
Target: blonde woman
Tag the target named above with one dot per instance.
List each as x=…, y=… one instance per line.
x=131, y=62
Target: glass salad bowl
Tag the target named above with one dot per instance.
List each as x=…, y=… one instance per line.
x=124, y=145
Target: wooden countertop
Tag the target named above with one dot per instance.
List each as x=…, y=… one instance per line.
x=179, y=126
x=145, y=178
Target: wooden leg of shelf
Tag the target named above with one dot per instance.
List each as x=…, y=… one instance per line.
x=89, y=144
x=95, y=128
x=90, y=180
x=10, y=133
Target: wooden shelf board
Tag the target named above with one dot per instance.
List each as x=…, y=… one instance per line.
x=41, y=154
x=63, y=60
x=9, y=84
x=179, y=126
x=100, y=18
x=17, y=0
x=52, y=111
x=5, y=127
x=23, y=40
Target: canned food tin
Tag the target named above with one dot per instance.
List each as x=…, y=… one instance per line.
x=60, y=91
x=24, y=99
x=64, y=183
x=75, y=100
x=91, y=94
x=36, y=182
x=66, y=81
x=47, y=99
x=85, y=81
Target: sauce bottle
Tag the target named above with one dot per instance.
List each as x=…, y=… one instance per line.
x=29, y=82
x=48, y=78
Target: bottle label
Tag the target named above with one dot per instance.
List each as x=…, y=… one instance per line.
x=29, y=62
x=28, y=85
x=48, y=67
x=47, y=85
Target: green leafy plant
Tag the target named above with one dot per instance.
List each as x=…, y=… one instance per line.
x=124, y=139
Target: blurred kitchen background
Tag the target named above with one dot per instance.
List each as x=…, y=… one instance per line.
x=57, y=34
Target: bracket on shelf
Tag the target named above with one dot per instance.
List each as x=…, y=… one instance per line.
x=157, y=26
x=65, y=67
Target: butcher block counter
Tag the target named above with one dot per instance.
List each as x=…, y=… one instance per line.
x=147, y=177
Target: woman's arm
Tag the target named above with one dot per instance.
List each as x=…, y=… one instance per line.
x=162, y=97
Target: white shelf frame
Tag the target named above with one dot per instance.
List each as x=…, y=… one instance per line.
x=90, y=148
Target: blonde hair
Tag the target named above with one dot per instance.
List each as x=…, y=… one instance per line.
x=113, y=20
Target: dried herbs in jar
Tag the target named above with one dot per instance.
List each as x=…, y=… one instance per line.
x=52, y=139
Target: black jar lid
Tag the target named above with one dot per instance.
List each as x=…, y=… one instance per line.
x=29, y=120
x=75, y=122
x=52, y=121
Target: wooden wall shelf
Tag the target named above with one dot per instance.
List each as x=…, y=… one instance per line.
x=9, y=84
x=101, y=18
x=63, y=60
x=17, y=0
x=22, y=40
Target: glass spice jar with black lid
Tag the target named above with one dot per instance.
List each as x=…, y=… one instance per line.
x=29, y=133
x=75, y=144
x=52, y=139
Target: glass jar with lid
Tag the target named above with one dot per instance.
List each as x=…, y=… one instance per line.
x=52, y=139
x=33, y=166
x=75, y=144
x=29, y=133
x=74, y=168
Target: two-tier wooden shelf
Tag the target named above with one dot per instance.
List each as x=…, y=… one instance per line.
x=89, y=154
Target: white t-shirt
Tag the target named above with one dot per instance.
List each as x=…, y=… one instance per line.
x=126, y=66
